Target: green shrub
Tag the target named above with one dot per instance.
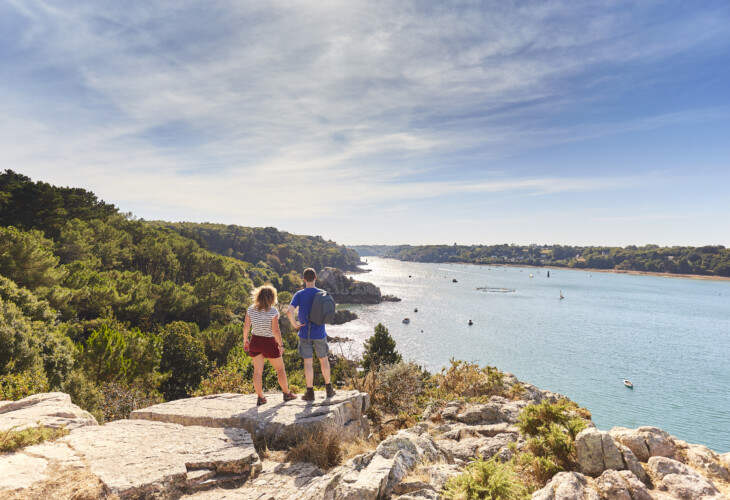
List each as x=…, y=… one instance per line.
x=183, y=356
x=399, y=385
x=12, y=440
x=464, y=379
x=534, y=418
x=225, y=379
x=550, y=429
x=84, y=394
x=485, y=479
x=15, y=386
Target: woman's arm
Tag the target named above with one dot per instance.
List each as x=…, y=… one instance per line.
x=246, y=330
x=277, y=333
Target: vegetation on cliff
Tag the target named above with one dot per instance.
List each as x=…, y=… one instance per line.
x=708, y=260
x=121, y=312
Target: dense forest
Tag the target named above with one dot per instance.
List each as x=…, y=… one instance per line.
x=120, y=312
x=279, y=250
x=708, y=260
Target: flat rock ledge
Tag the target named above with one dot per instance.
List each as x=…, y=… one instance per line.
x=276, y=423
x=137, y=459
x=51, y=409
x=174, y=449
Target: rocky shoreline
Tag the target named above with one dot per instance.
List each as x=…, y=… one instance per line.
x=210, y=448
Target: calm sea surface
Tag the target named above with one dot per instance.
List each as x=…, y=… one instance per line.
x=669, y=336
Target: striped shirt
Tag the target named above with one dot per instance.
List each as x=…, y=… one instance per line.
x=261, y=320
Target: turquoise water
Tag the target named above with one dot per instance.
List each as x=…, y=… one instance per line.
x=669, y=336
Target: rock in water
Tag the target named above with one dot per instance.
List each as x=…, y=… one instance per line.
x=347, y=290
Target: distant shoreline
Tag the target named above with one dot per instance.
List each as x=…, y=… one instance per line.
x=588, y=269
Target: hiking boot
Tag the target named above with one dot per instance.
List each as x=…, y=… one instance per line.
x=288, y=396
x=330, y=391
x=308, y=394
x=260, y=401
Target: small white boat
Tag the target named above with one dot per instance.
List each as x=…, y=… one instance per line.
x=628, y=384
x=561, y=295
x=406, y=321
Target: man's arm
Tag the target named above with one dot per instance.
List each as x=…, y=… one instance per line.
x=290, y=315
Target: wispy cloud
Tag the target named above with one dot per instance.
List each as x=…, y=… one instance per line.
x=214, y=108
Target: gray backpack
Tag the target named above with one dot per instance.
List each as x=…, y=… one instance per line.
x=323, y=310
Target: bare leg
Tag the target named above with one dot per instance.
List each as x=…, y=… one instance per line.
x=308, y=372
x=280, y=373
x=325, y=364
x=258, y=371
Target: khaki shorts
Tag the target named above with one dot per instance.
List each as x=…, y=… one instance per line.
x=308, y=347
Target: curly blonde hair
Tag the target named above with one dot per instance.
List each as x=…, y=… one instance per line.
x=264, y=297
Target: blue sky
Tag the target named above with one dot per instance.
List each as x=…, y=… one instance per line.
x=596, y=123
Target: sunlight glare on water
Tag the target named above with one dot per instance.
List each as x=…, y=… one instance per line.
x=669, y=336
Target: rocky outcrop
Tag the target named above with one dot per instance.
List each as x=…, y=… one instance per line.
x=52, y=409
x=597, y=452
x=346, y=290
x=177, y=448
x=275, y=423
x=646, y=442
x=567, y=485
x=343, y=316
x=375, y=474
x=640, y=464
x=203, y=449
x=679, y=480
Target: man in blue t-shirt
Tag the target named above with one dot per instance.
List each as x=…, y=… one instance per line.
x=312, y=337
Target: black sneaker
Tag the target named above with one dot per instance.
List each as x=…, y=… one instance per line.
x=261, y=401
x=308, y=394
x=288, y=396
x=330, y=391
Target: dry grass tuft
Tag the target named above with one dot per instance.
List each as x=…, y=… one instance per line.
x=66, y=484
x=327, y=447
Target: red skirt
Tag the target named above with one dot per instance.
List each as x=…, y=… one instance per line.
x=263, y=345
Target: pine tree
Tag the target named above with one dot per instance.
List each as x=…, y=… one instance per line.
x=380, y=350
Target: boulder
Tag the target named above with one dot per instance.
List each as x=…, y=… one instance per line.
x=373, y=475
x=277, y=423
x=567, y=486
x=707, y=461
x=646, y=442
x=725, y=459
x=621, y=486
x=51, y=409
x=451, y=410
x=597, y=452
x=343, y=316
x=346, y=290
x=480, y=414
x=680, y=481
x=633, y=464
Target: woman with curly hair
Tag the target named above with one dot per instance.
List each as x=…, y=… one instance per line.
x=262, y=320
